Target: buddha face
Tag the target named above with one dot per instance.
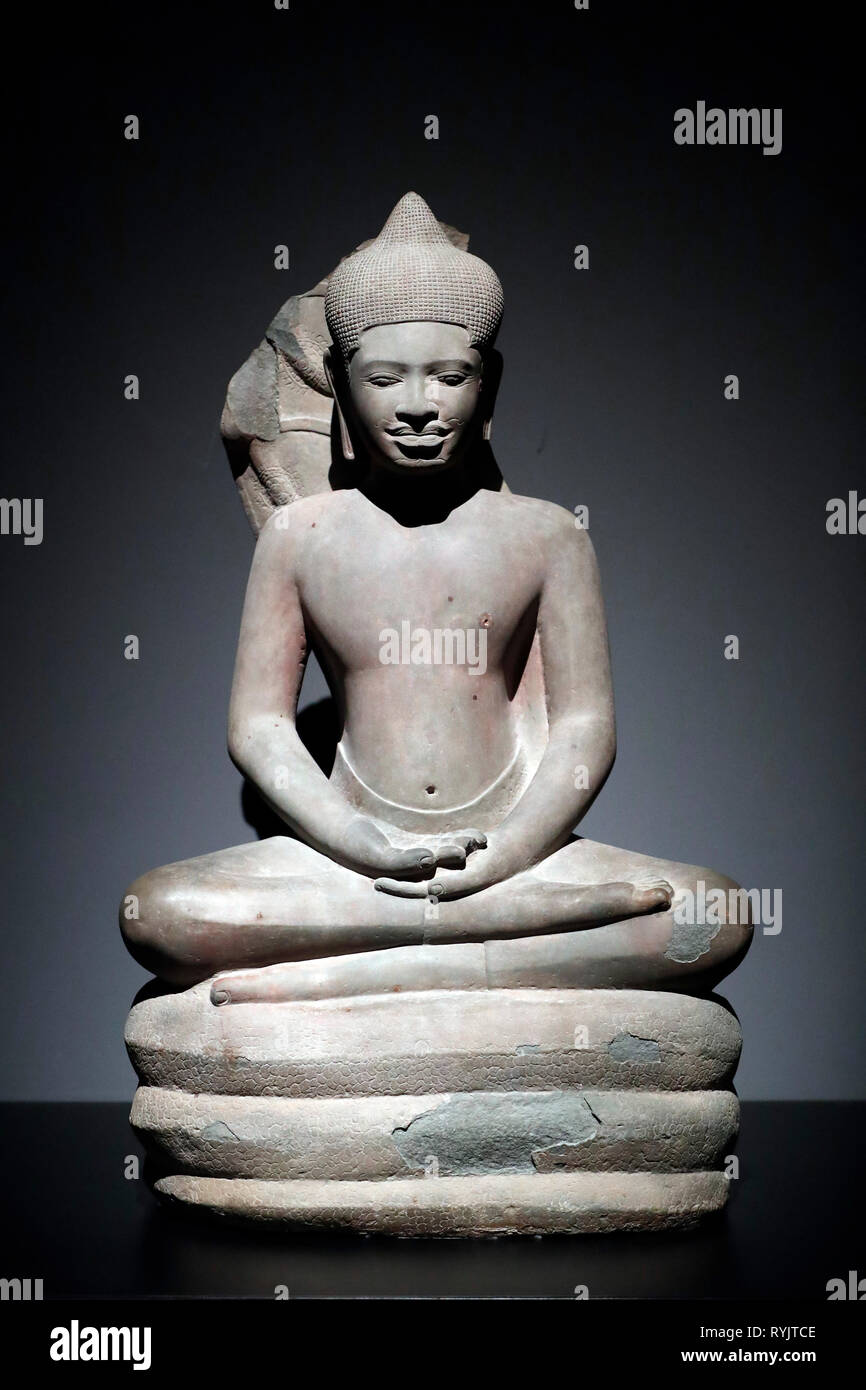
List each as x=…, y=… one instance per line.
x=415, y=391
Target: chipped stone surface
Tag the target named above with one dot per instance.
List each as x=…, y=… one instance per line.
x=474, y=1134
x=468, y=1133
x=625, y=1047
x=251, y=399
x=326, y=1114
x=691, y=940
x=435, y=1041
x=570, y=1203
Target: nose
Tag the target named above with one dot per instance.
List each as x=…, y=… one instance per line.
x=415, y=408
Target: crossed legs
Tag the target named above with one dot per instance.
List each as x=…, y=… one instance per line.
x=589, y=916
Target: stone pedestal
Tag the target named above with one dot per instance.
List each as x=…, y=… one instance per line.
x=451, y=1113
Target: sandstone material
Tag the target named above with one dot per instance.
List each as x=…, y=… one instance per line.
x=463, y=1134
x=567, y=1203
x=434, y=1042
x=431, y=1006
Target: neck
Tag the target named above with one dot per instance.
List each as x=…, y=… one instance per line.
x=418, y=497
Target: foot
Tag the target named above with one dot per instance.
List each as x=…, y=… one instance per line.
x=614, y=901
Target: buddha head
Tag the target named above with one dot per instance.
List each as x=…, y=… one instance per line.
x=413, y=319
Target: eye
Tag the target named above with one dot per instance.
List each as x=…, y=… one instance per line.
x=452, y=379
x=383, y=380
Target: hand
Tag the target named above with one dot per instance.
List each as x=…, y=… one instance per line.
x=453, y=849
x=370, y=852
x=443, y=882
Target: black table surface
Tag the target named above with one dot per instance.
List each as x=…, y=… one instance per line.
x=72, y=1218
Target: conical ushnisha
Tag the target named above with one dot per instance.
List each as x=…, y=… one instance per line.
x=412, y=273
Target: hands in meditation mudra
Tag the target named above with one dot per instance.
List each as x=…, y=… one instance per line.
x=462, y=634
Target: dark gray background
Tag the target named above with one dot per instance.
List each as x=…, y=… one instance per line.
x=261, y=127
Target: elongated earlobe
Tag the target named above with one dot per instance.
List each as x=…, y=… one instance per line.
x=345, y=437
x=487, y=429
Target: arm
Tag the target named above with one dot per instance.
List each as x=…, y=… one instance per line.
x=263, y=740
x=577, y=680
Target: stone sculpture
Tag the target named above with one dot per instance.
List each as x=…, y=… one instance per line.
x=429, y=1007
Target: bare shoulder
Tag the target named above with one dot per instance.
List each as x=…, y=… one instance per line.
x=289, y=527
x=294, y=516
x=542, y=521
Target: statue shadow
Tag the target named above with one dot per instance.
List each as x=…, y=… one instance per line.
x=319, y=729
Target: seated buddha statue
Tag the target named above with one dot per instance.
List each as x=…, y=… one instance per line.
x=462, y=634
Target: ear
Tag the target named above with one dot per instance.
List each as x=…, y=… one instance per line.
x=491, y=376
x=332, y=371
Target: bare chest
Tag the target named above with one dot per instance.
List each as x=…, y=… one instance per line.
x=391, y=594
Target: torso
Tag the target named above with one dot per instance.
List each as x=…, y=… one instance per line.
x=423, y=610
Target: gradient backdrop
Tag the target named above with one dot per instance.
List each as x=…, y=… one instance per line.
x=556, y=128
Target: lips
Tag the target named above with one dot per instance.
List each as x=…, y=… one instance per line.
x=426, y=445
x=417, y=447
x=423, y=441
x=425, y=437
